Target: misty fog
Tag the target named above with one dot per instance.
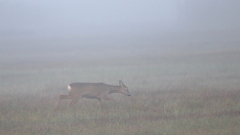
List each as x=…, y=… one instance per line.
x=56, y=30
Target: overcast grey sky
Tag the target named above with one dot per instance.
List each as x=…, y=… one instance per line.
x=94, y=28
x=83, y=16
x=53, y=17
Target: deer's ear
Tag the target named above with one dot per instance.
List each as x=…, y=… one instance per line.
x=120, y=83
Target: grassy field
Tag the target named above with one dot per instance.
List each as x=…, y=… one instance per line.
x=183, y=94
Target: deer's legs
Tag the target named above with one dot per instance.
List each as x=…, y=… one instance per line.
x=74, y=101
x=109, y=98
x=99, y=103
x=62, y=97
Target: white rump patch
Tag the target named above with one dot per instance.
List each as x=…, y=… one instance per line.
x=69, y=87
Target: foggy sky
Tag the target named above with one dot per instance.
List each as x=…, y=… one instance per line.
x=54, y=29
x=27, y=17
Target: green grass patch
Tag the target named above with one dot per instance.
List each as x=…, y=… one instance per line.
x=181, y=94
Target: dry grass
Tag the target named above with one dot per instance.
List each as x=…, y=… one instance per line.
x=175, y=94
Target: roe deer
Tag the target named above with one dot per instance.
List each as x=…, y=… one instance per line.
x=92, y=90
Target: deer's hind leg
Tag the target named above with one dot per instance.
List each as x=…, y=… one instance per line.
x=74, y=101
x=99, y=103
x=62, y=97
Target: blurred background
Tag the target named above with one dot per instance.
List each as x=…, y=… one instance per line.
x=63, y=30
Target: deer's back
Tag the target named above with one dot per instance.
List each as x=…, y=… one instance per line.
x=88, y=89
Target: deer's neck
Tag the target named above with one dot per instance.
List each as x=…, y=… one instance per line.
x=114, y=89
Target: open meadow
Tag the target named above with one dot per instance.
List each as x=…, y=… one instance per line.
x=183, y=94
